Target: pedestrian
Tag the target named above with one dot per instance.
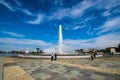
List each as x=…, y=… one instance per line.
x=91, y=54
x=112, y=53
x=95, y=55
x=52, y=57
x=55, y=58
x=103, y=54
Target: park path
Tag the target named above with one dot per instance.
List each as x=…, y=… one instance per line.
x=13, y=72
x=62, y=69
x=89, y=67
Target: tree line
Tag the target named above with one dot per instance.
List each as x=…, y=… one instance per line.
x=106, y=50
x=38, y=51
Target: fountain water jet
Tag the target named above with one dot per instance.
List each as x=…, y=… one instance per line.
x=60, y=40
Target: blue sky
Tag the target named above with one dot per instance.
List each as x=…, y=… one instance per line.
x=34, y=23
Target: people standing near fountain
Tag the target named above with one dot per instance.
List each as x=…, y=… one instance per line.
x=55, y=58
x=91, y=55
x=95, y=53
x=52, y=56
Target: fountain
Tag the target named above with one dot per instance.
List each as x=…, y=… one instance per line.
x=60, y=40
x=60, y=44
x=59, y=50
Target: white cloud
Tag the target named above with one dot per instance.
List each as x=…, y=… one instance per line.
x=108, y=5
x=60, y=14
x=75, y=11
x=18, y=3
x=106, y=13
x=77, y=27
x=13, y=34
x=25, y=11
x=58, y=2
x=79, y=9
x=109, y=25
x=109, y=40
x=7, y=5
x=17, y=8
x=37, y=20
x=14, y=41
x=116, y=11
x=89, y=31
x=77, y=43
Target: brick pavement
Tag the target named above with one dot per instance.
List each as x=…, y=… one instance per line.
x=1, y=69
x=70, y=69
x=66, y=70
x=13, y=72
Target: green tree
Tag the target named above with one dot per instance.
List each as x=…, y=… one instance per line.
x=119, y=47
x=79, y=51
x=102, y=50
x=107, y=50
x=41, y=51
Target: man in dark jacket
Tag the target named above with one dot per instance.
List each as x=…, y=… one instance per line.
x=55, y=57
x=52, y=57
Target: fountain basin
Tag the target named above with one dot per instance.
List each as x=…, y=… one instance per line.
x=59, y=57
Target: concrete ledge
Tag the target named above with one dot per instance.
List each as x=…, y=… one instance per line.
x=31, y=56
x=117, y=53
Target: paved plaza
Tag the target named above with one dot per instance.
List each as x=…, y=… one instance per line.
x=105, y=68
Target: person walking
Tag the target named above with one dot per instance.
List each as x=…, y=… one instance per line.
x=95, y=54
x=55, y=58
x=91, y=54
x=52, y=56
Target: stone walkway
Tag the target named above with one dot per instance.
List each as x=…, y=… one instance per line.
x=14, y=72
x=1, y=68
x=107, y=68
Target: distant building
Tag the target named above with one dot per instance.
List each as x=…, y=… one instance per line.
x=27, y=51
x=86, y=50
x=112, y=49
